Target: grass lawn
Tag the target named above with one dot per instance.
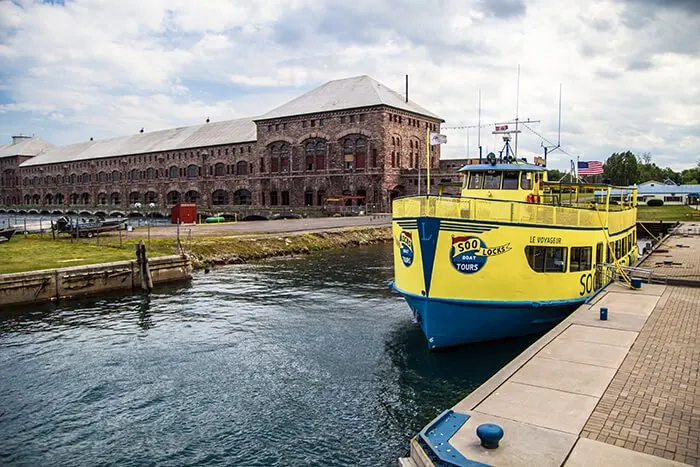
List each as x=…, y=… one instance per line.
x=680, y=213
x=34, y=252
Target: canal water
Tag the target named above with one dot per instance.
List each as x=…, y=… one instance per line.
x=302, y=361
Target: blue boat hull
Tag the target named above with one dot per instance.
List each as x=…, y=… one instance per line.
x=448, y=323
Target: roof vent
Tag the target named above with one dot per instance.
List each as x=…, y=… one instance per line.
x=19, y=138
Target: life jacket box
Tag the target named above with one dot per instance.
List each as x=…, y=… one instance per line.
x=184, y=213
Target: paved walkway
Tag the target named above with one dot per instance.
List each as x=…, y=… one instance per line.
x=678, y=257
x=653, y=403
x=621, y=391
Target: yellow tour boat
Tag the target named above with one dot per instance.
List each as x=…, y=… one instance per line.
x=511, y=255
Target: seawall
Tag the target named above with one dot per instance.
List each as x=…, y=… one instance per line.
x=50, y=284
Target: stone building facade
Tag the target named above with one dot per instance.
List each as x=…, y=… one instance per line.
x=352, y=139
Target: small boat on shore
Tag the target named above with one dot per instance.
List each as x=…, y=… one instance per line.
x=512, y=254
x=87, y=227
x=6, y=234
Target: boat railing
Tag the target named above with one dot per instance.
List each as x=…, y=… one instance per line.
x=509, y=211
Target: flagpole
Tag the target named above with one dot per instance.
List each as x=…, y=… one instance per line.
x=427, y=158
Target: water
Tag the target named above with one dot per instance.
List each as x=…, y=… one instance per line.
x=303, y=361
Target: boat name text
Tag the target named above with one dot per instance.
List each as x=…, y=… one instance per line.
x=548, y=240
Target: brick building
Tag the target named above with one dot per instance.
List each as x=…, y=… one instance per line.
x=349, y=137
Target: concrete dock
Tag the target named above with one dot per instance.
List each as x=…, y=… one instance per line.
x=621, y=391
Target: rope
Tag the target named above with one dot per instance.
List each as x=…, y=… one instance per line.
x=620, y=269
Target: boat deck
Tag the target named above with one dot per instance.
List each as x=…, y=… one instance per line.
x=595, y=392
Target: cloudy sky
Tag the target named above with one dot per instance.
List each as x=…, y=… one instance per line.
x=629, y=69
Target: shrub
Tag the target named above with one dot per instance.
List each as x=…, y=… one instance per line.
x=655, y=202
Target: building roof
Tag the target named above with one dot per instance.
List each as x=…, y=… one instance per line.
x=502, y=167
x=343, y=94
x=210, y=134
x=25, y=146
x=668, y=189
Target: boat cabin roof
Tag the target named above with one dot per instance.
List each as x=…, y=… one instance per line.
x=502, y=167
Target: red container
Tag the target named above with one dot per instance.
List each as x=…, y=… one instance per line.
x=184, y=213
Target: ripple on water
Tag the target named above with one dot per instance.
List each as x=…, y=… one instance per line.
x=290, y=361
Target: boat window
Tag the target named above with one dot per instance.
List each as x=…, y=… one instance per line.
x=475, y=181
x=546, y=258
x=492, y=181
x=510, y=180
x=526, y=180
x=580, y=258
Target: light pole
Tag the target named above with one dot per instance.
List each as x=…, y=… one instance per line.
x=150, y=216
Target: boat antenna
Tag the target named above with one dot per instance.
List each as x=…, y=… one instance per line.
x=479, y=126
x=559, y=129
x=517, y=102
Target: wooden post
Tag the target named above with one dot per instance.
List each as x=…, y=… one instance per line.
x=144, y=270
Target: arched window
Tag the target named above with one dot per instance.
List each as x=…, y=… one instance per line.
x=85, y=178
x=173, y=172
x=115, y=199
x=315, y=154
x=85, y=198
x=58, y=199
x=192, y=196
x=280, y=153
x=134, y=197
x=116, y=176
x=36, y=199
x=134, y=175
x=151, y=197
x=219, y=197
x=48, y=180
x=150, y=173
x=242, y=168
x=173, y=197
x=48, y=199
x=27, y=199
x=73, y=179
x=102, y=198
x=354, y=152
x=35, y=181
x=219, y=169
x=74, y=197
x=308, y=197
x=192, y=171
x=243, y=197
x=101, y=177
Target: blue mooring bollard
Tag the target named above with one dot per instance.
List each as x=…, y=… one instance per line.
x=603, y=313
x=489, y=434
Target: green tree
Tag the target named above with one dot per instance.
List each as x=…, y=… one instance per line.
x=554, y=175
x=621, y=169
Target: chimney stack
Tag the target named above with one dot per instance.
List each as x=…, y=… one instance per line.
x=406, y=88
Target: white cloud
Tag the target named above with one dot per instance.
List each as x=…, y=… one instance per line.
x=101, y=68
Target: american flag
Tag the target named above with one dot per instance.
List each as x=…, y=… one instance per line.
x=590, y=167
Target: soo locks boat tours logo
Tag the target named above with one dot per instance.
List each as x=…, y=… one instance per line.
x=406, y=247
x=469, y=254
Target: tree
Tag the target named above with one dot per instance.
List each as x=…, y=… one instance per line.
x=554, y=175
x=621, y=169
